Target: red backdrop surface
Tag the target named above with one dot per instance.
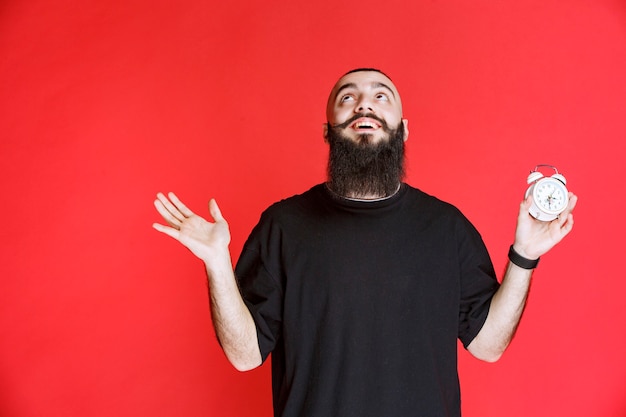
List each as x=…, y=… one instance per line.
x=103, y=104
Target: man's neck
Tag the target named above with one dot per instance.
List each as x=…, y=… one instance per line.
x=357, y=196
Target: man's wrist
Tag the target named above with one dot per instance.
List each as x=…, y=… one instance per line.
x=521, y=261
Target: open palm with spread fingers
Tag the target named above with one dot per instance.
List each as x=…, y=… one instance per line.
x=203, y=238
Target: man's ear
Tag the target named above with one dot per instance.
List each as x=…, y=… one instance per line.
x=325, y=132
x=405, y=122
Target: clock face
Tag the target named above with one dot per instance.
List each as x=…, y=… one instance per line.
x=550, y=195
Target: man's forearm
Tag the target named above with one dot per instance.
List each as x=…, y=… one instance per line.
x=505, y=312
x=233, y=323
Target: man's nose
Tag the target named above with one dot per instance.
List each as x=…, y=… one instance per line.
x=364, y=105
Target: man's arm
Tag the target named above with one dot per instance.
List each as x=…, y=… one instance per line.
x=233, y=323
x=533, y=239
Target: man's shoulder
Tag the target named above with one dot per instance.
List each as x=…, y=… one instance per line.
x=312, y=193
x=297, y=202
x=428, y=201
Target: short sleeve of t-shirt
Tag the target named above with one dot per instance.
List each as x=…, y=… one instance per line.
x=258, y=274
x=478, y=281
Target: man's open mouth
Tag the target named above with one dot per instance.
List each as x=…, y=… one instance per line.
x=365, y=124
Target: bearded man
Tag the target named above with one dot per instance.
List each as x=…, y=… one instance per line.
x=361, y=286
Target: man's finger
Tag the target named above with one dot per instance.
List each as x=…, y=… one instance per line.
x=215, y=211
x=170, y=231
x=180, y=205
x=174, y=212
x=167, y=215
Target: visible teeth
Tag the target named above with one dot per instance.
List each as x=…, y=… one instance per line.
x=364, y=124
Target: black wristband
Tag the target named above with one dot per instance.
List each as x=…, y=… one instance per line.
x=520, y=261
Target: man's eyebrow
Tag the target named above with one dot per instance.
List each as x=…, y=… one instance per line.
x=374, y=85
x=343, y=87
x=383, y=85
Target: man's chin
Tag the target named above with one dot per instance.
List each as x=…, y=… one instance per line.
x=371, y=138
x=365, y=139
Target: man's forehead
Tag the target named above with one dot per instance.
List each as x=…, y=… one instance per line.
x=364, y=79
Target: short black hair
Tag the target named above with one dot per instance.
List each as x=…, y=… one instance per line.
x=365, y=69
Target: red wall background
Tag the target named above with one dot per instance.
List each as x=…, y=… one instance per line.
x=103, y=104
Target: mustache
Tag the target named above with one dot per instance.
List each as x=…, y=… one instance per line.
x=358, y=116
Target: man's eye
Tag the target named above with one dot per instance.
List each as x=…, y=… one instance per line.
x=382, y=96
x=346, y=98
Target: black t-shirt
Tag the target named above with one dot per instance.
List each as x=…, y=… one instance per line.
x=361, y=303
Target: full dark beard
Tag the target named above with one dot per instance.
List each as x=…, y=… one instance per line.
x=363, y=168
